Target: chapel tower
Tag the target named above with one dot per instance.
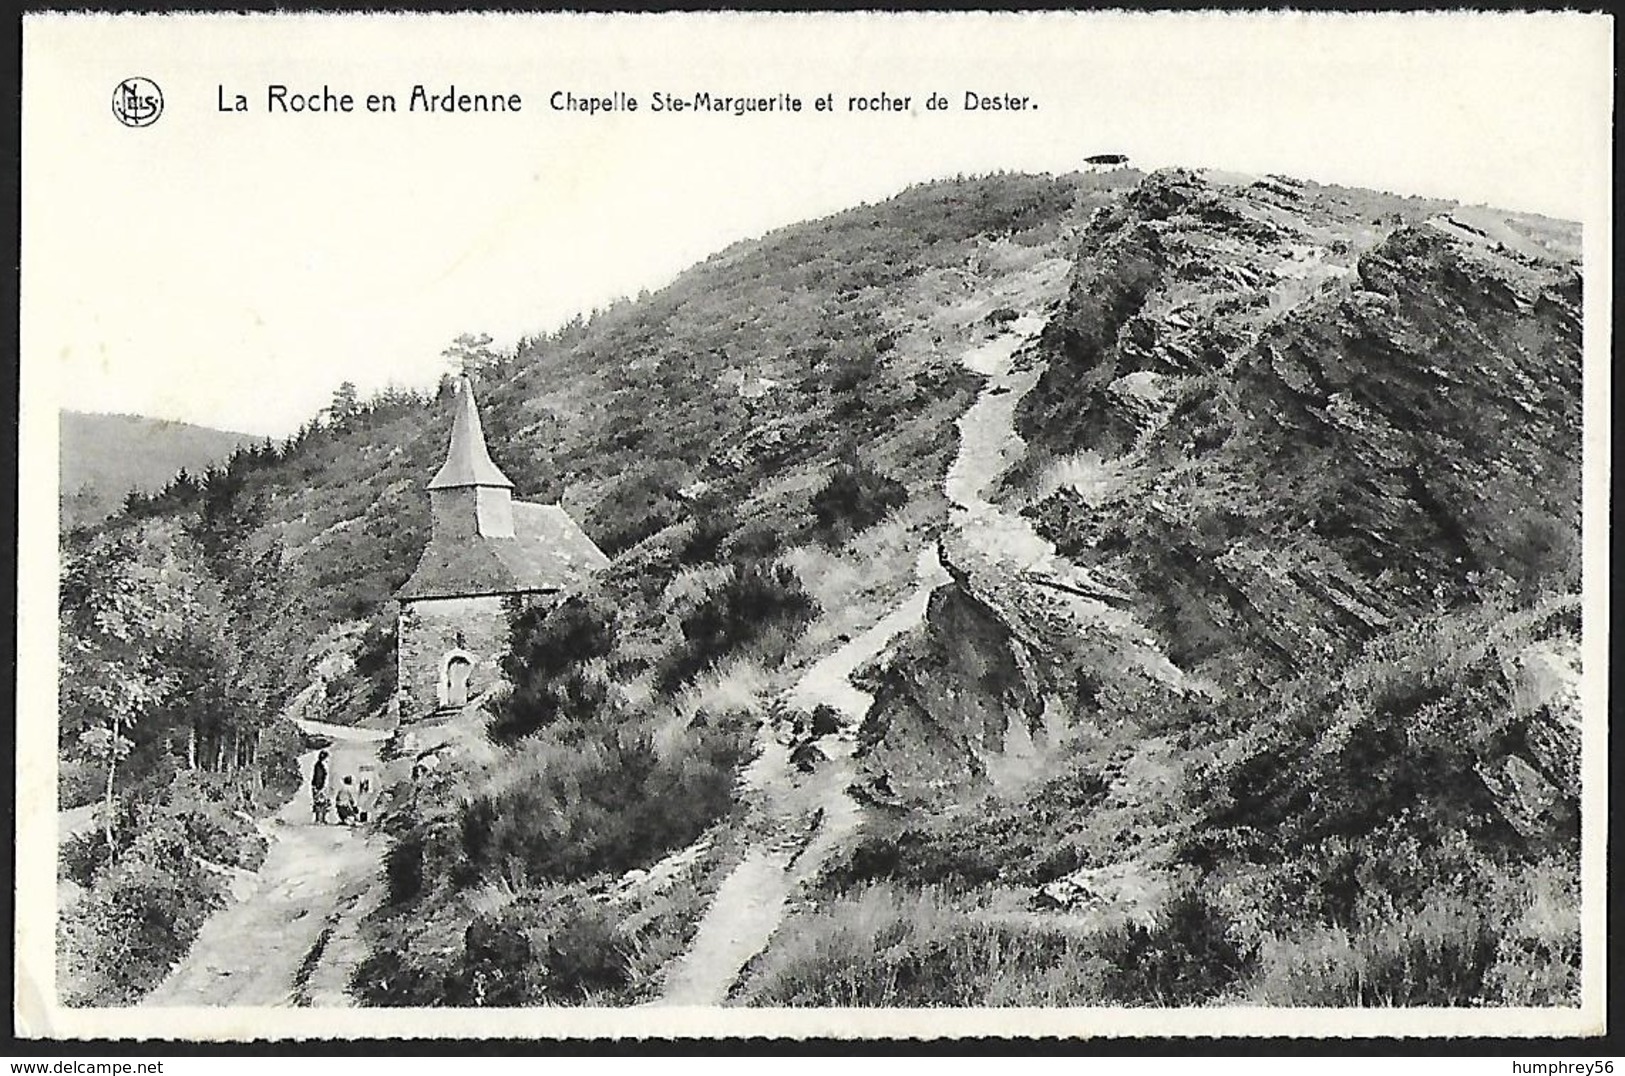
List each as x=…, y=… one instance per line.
x=487, y=554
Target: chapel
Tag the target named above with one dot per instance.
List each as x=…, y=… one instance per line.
x=487, y=555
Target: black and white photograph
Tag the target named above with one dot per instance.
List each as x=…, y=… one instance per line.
x=858, y=525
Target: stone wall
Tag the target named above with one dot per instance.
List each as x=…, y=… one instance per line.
x=432, y=628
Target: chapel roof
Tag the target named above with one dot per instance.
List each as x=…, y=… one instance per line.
x=547, y=552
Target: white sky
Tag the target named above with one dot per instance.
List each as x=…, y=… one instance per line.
x=233, y=269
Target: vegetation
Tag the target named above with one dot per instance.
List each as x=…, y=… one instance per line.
x=750, y=601
x=142, y=900
x=549, y=667
x=855, y=497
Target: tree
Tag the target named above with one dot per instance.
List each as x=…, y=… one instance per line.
x=345, y=403
x=471, y=354
x=120, y=605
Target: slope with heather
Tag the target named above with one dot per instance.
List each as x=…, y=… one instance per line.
x=759, y=444
x=1320, y=450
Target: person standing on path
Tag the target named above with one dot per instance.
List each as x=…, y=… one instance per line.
x=318, y=789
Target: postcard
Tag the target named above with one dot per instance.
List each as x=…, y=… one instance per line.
x=859, y=525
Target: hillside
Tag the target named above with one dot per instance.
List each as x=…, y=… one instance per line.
x=1103, y=589
x=103, y=457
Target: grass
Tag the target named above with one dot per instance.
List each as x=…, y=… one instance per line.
x=1518, y=946
x=884, y=946
x=575, y=943
x=887, y=946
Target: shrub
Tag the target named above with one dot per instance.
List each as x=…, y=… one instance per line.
x=547, y=649
x=403, y=868
x=138, y=918
x=276, y=759
x=705, y=540
x=756, y=541
x=388, y=977
x=586, y=953
x=750, y=601
x=82, y=856
x=642, y=503
x=584, y=800
x=209, y=808
x=855, y=497
x=915, y=855
x=883, y=946
x=1185, y=957
x=79, y=781
x=1439, y=955
x=550, y=945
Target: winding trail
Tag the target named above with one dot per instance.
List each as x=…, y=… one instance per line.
x=804, y=817
x=273, y=945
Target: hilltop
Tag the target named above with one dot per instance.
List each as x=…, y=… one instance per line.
x=1096, y=589
x=103, y=457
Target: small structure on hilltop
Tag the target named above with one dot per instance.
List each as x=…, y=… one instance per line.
x=1105, y=160
x=486, y=550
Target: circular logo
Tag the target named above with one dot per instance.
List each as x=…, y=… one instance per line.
x=138, y=102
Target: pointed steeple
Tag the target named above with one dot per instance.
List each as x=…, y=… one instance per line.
x=469, y=497
x=468, y=463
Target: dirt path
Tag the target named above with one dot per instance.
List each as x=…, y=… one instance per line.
x=805, y=817
x=989, y=445
x=274, y=944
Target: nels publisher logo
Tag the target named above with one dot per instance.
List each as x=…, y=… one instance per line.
x=138, y=102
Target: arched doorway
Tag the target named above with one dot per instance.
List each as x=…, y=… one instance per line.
x=456, y=668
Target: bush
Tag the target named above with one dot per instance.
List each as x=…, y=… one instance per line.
x=387, y=977
x=276, y=758
x=1440, y=955
x=601, y=798
x=209, y=808
x=403, y=869
x=641, y=504
x=586, y=952
x=705, y=540
x=548, y=946
x=82, y=856
x=756, y=541
x=547, y=649
x=854, y=498
x=883, y=946
x=918, y=856
x=1186, y=957
x=750, y=601
x=79, y=781
x=138, y=918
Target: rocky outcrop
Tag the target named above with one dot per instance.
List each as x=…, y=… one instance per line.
x=995, y=680
x=1329, y=408
x=948, y=695
x=1537, y=788
x=1325, y=415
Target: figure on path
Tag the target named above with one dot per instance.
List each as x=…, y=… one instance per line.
x=318, y=789
x=344, y=801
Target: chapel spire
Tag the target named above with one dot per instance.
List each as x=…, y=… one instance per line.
x=468, y=463
x=469, y=497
